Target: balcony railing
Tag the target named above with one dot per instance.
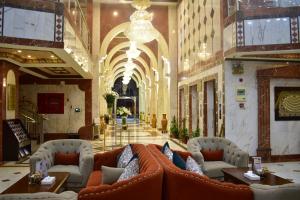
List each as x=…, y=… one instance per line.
x=243, y=5
x=77, y=19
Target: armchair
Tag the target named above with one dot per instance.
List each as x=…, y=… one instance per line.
x=233, y=156
x=78, y=174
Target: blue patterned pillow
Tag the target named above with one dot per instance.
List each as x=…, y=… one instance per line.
x=167, y=151
x=125, y=157
x=131, y=170
x=178, y=161
x=192, y=166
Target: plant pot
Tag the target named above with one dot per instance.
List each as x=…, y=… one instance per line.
x=185, y=140
x=153, y=121
x=164, y=123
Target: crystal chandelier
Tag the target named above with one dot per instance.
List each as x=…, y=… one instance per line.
x=203, y=54
x=141, y=29
x=129, y=67
x=133, y=52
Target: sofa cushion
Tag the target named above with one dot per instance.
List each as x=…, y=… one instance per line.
x=167, y=151
x=212, y=155
x=192, y=166
x=66, y=158
x=178, y=161
x=125, y=157
x=110, y=174
x=95, y=179
x=131, y=170
x=213, y=168
x=75, y=175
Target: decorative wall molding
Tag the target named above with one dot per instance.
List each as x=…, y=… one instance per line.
x=294, y=30
x=263, y=89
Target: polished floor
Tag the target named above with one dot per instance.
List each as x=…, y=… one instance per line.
x=115, y=137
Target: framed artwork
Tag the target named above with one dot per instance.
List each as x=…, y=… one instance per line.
x=287, y=103
x=50, y=103
x=11, y=97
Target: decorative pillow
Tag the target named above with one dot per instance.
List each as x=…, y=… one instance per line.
x=212, y=155
x=131, y=170
x=167, y=151
x=66, y=158
x=125, y=157
x=110, y=174
x=178, y=161
x=192, y=166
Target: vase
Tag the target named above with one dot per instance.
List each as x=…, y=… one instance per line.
x=164, y=123
x=102, y=125
x=153, y=121
x=124, y=123
x=110, y=110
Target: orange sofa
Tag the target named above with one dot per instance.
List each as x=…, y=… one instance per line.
x=147, y=185
x=180, y=184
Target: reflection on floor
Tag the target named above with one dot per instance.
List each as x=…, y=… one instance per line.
x=115, y=137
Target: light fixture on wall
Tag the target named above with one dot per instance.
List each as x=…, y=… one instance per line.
x=141, y=29
x=203, y=54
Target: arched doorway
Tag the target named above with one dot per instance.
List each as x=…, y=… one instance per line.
x=131, y=91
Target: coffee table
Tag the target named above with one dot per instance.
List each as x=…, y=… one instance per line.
x=23, y=186
x=236, y=175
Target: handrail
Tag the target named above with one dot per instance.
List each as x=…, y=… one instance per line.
x=30, y=119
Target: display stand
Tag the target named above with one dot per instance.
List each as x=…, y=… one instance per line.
x=16, y=141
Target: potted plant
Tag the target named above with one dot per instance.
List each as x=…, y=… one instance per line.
x=110, y=100
x=106, y=118
x=174, y=128
x=196, y=133
x=184, y=135
x=123, y=112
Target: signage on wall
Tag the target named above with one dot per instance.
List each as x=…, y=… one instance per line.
x=240, y=94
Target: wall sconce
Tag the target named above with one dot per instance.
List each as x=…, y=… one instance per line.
x=4, y=82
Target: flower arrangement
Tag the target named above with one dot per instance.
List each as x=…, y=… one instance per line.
x=110, y=98
x=124, y=112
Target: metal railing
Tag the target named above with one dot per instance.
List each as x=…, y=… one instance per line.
x=78, y=21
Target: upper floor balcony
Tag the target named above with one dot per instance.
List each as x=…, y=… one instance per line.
x=262, y=29
x=46, y=38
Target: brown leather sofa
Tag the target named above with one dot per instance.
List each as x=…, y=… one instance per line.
x=147, y=185
x=180, y=184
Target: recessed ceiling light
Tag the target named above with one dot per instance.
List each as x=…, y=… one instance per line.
x=19, y=51
x=115, y=13
x=29, y=56
x=73, y=12
x=52, y=56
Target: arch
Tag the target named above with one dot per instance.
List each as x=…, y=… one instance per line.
x=122, y=45
x=139, y=59
x=162, y=43
x=121, y=66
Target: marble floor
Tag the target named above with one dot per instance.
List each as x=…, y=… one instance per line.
x=115, y=137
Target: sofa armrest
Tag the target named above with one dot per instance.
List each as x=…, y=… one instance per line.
x=278, y=192
x=107, y=159
x=241, y=159
x=68, y=195
x=43, y=153
x=86, y=162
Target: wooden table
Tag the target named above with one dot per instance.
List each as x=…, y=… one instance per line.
x=23, y=186
x=236, y=175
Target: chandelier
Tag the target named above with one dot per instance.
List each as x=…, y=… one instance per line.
x=129, y=67
x=141, y=29
x=203, y=54
x=133, y=52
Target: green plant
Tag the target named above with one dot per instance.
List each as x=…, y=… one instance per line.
x=196, y=133
x=174, y=128
x=110, y=98
x=123, y=120
x=184, y=135
x=124, y=112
